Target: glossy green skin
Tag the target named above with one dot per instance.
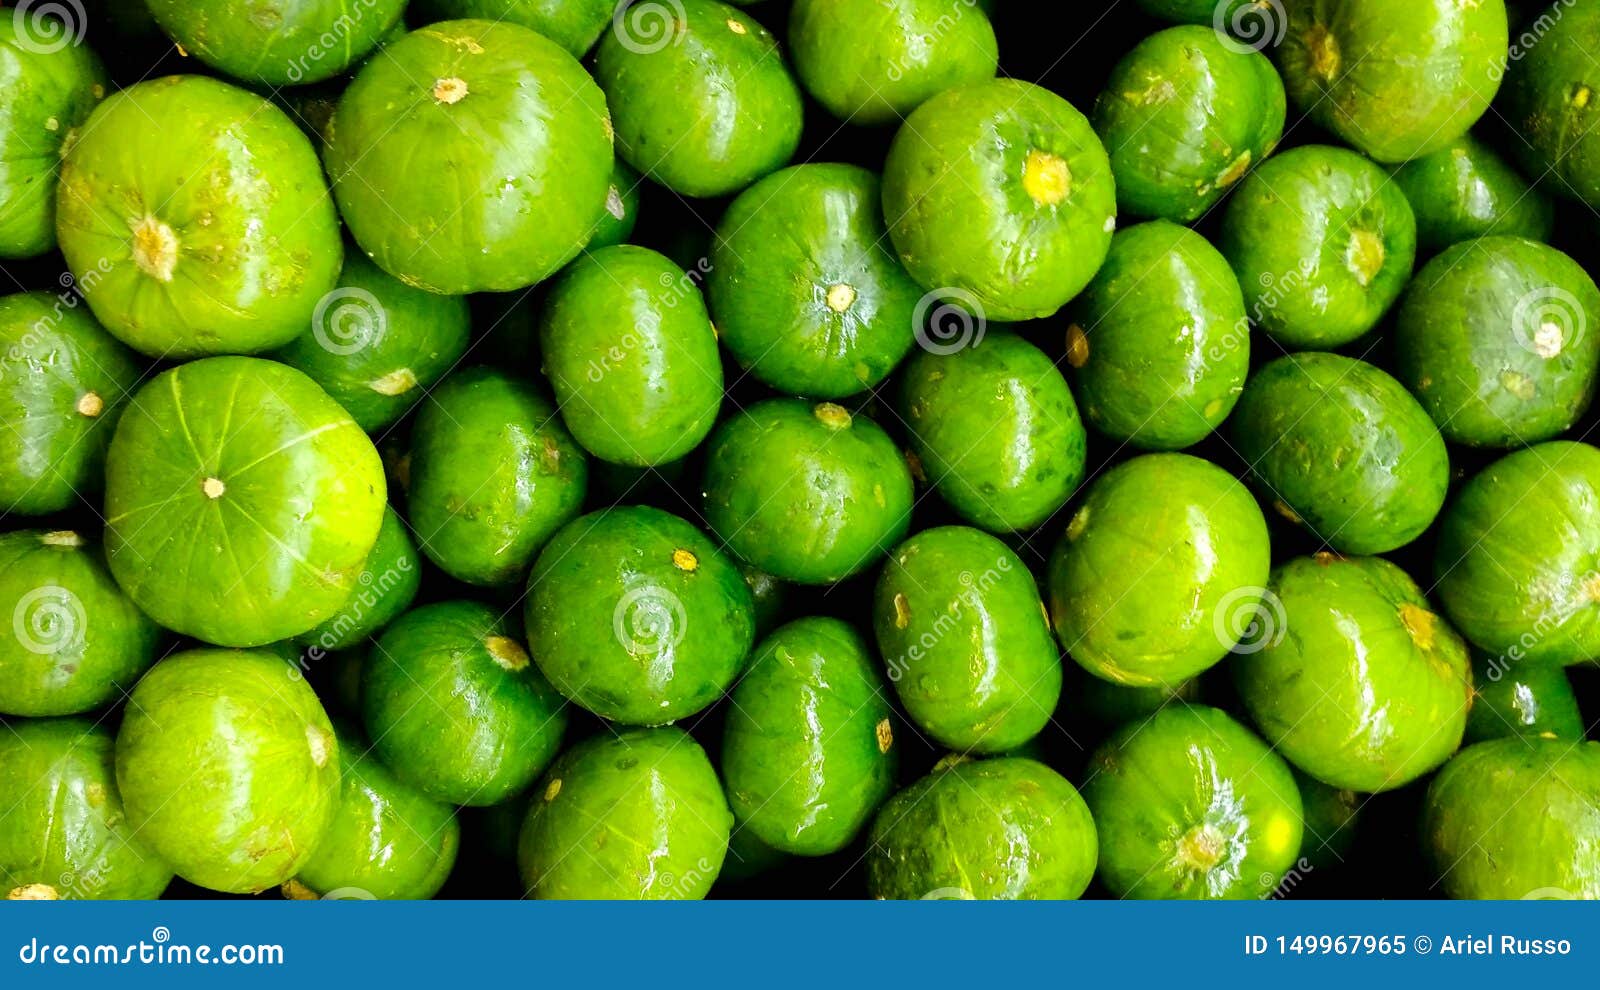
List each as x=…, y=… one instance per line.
x=573, y=24
x=705, y=110
x=278, y=42
x=960, y=216
x=49, y=94
x=966, y=641
x=638, y=815
x=1516, y=818
x=492, y=192
x=1396, y=81
x=1466, y=190
x=217, y=167
x=870, y=62
x=1540, y=100
x=1191, y=805
x=75, y=641
x=632, y=356
x=455, y=707
x=808, y=751
x=282, y=547
x=627, y=626
x=493, y=474
x=1497, y=339
x=1165, y=347
x=52, y=356
x=1355, y=679
x=806, y=500
x=1522, y=700
x=622, y=207
x=1025, y=834
x=782, y=246
x=1184, y=116
x=1331, y=819
x=385, y=588
x=387, y=840
x=996, y=429
x=1339, y=446
x=377, y=345
x=64, y=827
x=1146, y=590
x=228, y=768
x=1517, y=552
x=1302, y=233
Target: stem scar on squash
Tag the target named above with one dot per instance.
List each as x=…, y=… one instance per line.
x=506, y=652
x=90, y=404
x=685, y=560
x=450, y=91
x=155, y=248
x=213, y=487
x=1046, y=178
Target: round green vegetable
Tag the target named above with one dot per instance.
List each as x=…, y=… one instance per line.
x=1160, y=344
x=638, y=815
x=65, y=835
x=1192, y=806
x=1353, y=677
x=473, y=156
x=387, y=840
x=196, y=220
x=1397, y=81
x=385, y=588
x=76, y=642
x=1548, y=100
x=493, y=474
x=1511, y=819
x=622, y=207
x=573, y=24
x=1500, y=340
x=966, y=640
x=278, y=42
x=1322, y=243
x=999, y=197
x=456, y=708
x=51, y=85
x=703, y=102
x=377, y=345
x=808, y=752
x=241, y=502
x=806, y=292
x=1466, y=190
x=1522, y=699
x=809, y=494
x=637, y=616
x=996, y=429
x=1184, y=116
x=632, y=356
x=1342, y=448
x=1518, y=555
x=1159, y=570
x=870, y=62
x=63, y=381
x=1024, y=834
x=228, y=768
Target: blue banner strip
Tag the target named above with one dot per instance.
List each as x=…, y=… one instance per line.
x=817, y=945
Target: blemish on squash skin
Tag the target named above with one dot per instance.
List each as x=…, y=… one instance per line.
x=450, y=91
x=90, y=404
